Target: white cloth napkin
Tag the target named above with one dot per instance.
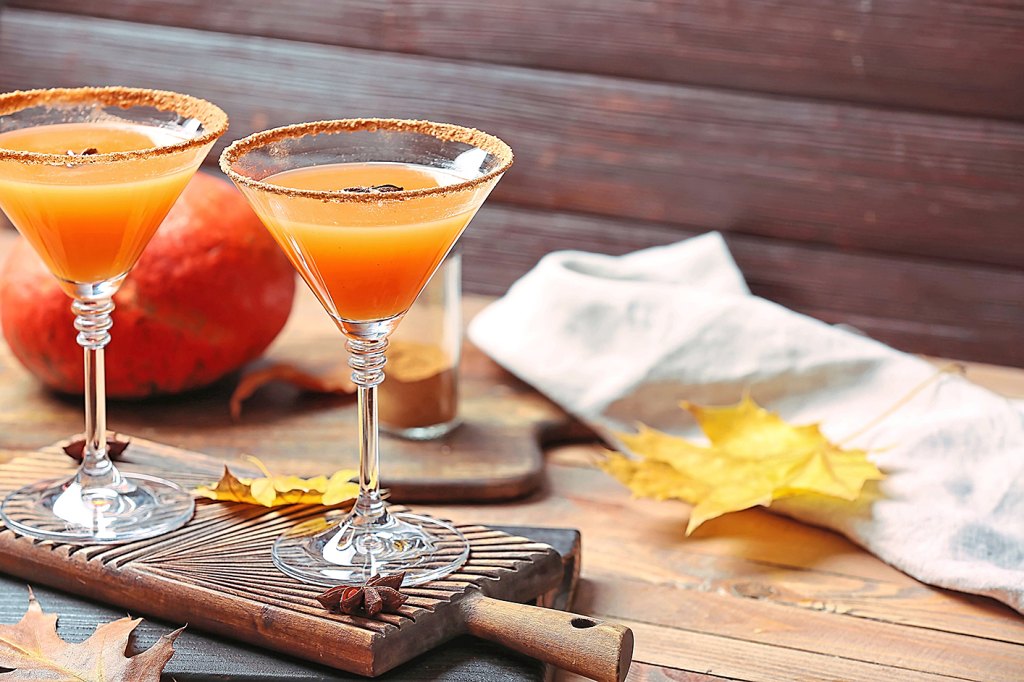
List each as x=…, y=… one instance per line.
x=616, y=340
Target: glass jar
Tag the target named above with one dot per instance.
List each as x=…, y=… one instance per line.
x=420, y=398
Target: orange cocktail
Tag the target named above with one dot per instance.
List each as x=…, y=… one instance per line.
x=87, y=175
x=90, y=224
x=366, y=210
x=366, y=265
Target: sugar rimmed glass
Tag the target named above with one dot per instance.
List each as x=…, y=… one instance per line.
x=366, y=210
x=87, y=175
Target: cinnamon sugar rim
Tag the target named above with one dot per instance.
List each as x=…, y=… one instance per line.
x=442, y=131
x=214, y=120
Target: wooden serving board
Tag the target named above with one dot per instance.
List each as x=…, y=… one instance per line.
x=495, y=455
x=217, y=575
x=200, y=656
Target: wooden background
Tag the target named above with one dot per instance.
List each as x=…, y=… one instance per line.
x=864, y=157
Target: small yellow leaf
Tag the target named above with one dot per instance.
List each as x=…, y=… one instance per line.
x=262, y=491
x=274, y=491
x=754, y=457
x=340, y=488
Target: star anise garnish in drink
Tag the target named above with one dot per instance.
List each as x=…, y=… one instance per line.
x=373, y=189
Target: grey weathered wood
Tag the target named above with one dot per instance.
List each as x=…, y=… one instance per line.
x=826, y=173
x=203, y=657
x=945, y=55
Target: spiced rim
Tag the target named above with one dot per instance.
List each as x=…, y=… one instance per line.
x=448, y=132
x=212, y=117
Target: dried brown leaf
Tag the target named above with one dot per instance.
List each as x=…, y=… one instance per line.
x=33, y=649
x=337, y=380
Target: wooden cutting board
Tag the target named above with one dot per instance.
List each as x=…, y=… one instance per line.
x=201, y=657
x=217, y=575
x=495, y=455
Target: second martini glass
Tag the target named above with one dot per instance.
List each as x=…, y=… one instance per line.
x=87, y=175
x=366, y=209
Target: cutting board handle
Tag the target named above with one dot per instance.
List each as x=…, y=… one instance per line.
x=587, y=646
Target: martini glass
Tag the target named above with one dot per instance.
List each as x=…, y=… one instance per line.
x=87, y=175
x=366, y=210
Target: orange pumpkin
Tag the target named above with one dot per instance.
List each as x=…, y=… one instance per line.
x=209, y=294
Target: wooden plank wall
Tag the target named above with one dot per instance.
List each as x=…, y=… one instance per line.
x=864, y=157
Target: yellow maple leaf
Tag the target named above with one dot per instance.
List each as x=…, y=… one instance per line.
x=754, y=457
x=273, y=491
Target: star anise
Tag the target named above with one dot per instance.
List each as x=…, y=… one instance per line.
x=380, y=594
x=115, y=448
x=374, y=189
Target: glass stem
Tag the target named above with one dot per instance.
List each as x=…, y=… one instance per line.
x=366, y=358
x=92, y=320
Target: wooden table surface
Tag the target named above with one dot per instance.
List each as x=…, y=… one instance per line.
x=757, y=597
x=750, y=596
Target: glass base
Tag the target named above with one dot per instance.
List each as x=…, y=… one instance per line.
x=421, y=432
x=347, y=553
x=141, y=507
